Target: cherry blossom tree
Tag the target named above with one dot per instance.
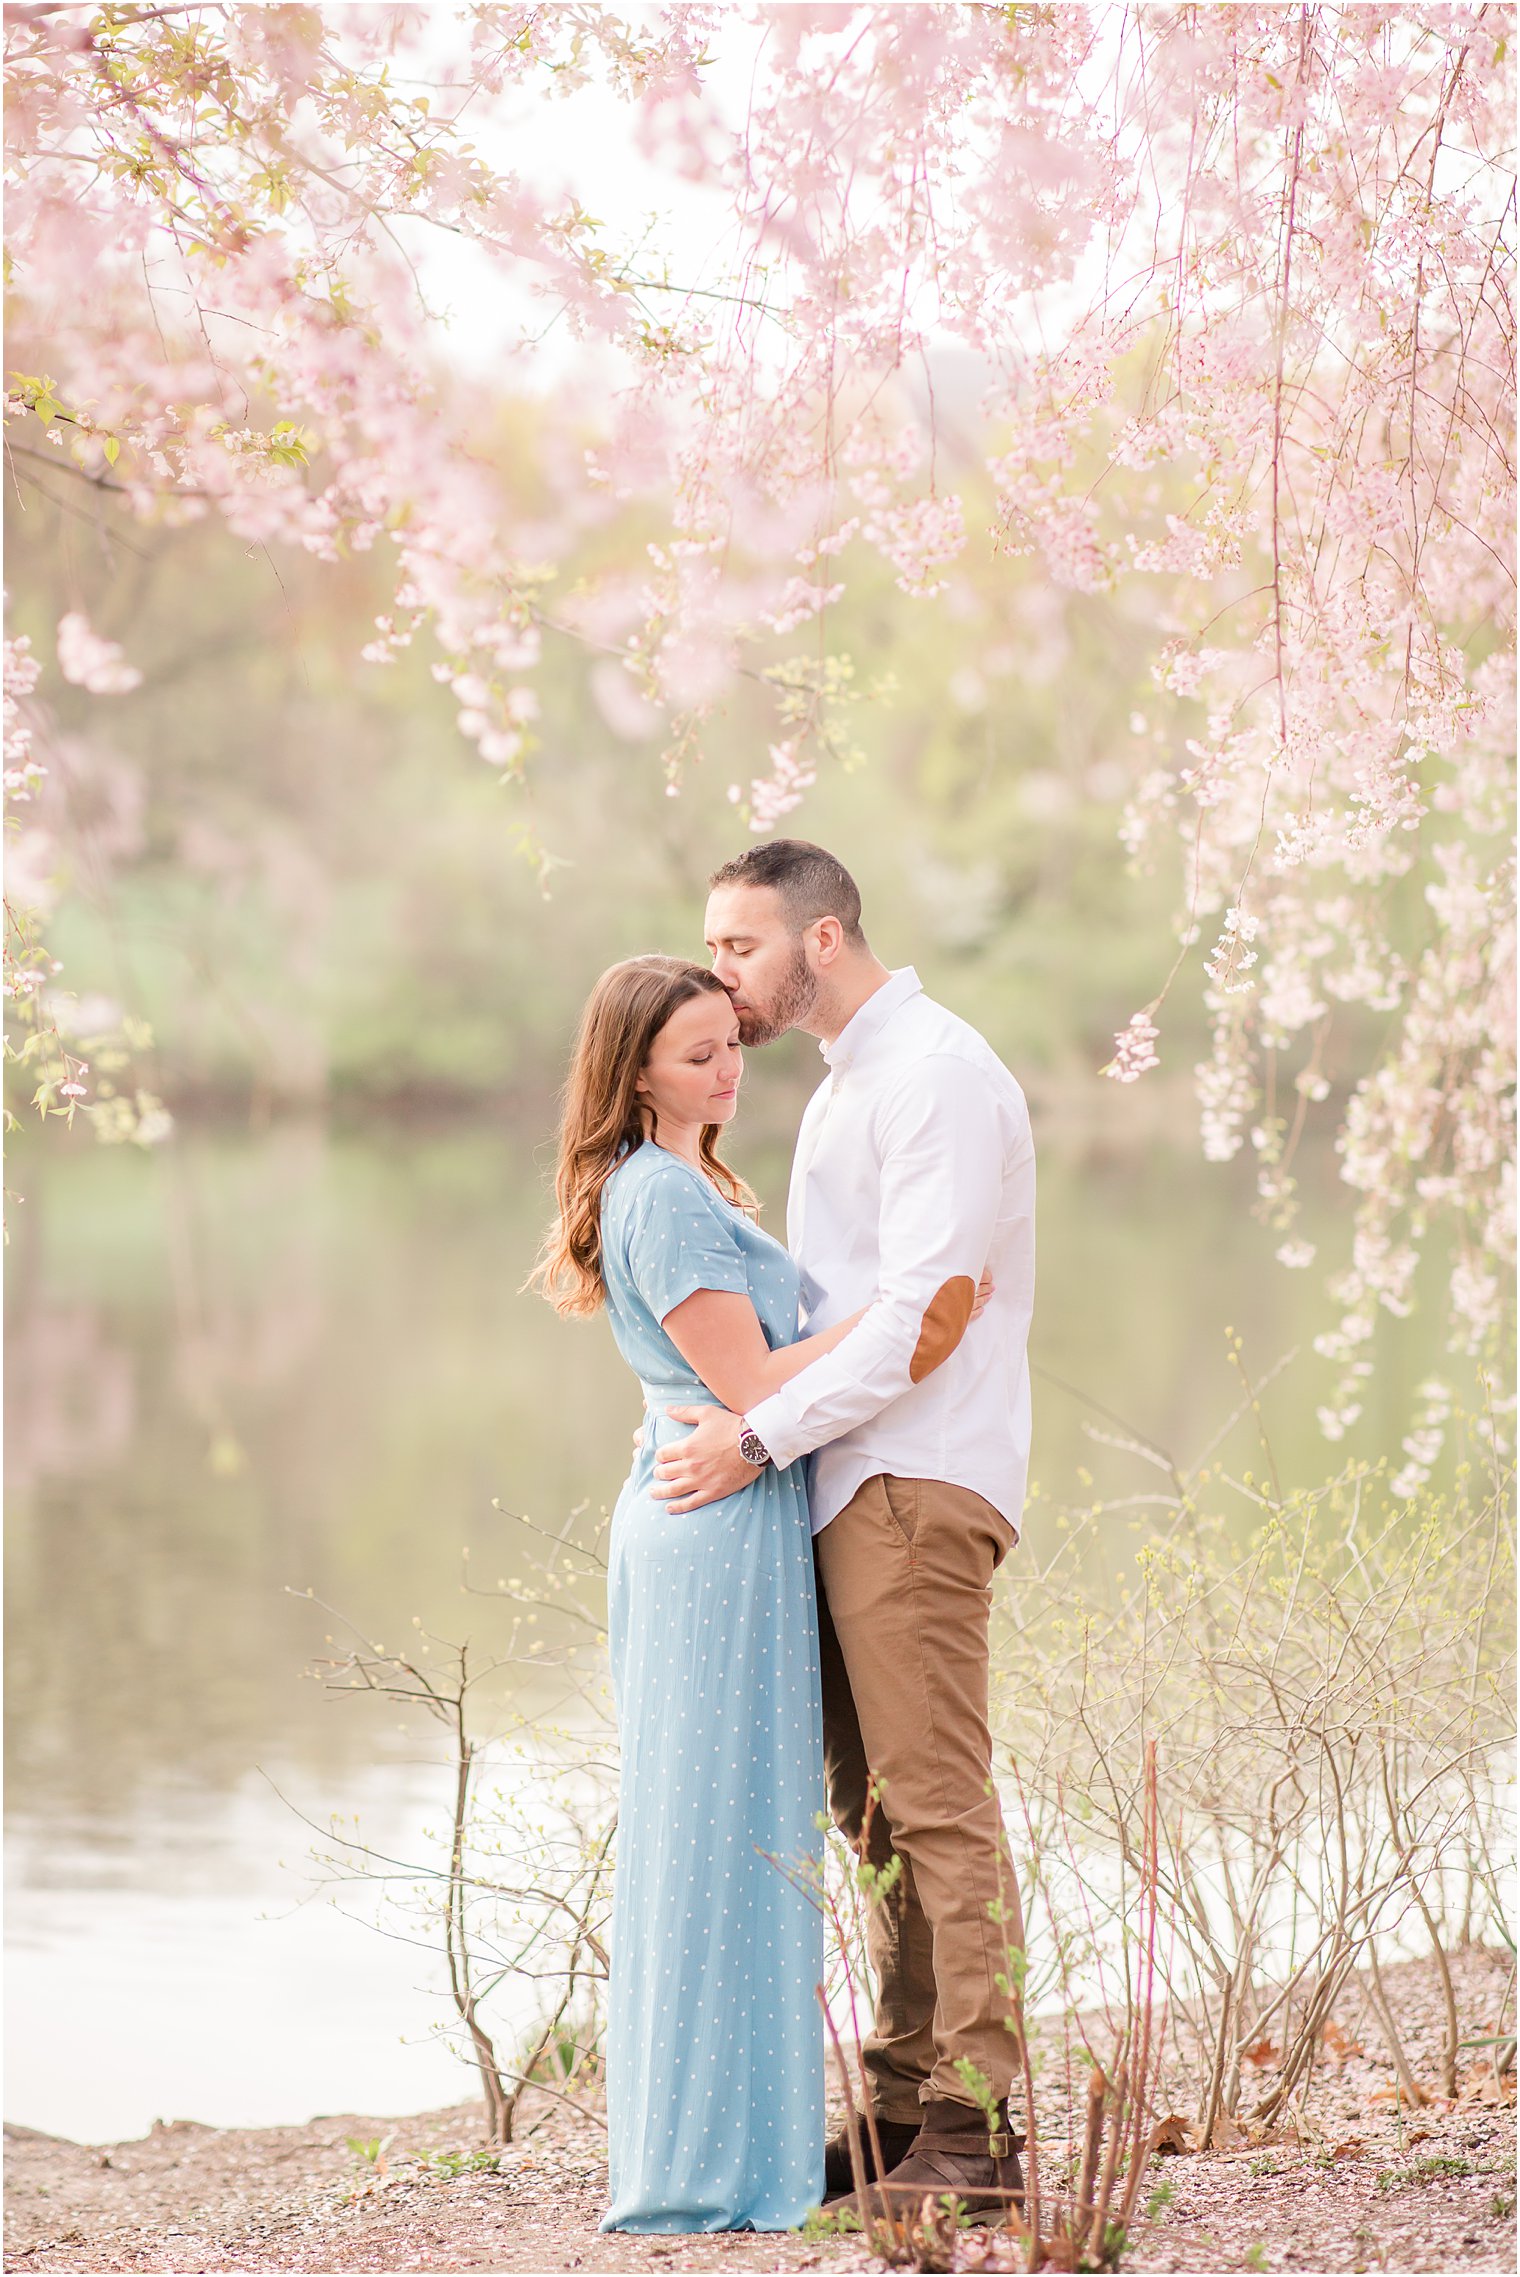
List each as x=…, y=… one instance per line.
x=1236, y=286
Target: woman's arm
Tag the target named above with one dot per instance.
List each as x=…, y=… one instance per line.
x=718, y=1333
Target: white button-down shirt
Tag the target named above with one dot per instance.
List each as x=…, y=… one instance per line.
x=914, y=1169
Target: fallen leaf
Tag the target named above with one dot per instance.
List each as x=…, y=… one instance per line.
x=1339, y=2041
x=1261, y=2052
x=1172, y=2134
x=1351, y=2148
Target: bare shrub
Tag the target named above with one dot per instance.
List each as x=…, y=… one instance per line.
x=1330, y=1686
x=516, y=1888
x=1272, y=1756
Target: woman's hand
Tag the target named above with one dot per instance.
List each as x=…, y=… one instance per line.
x=984, y=1289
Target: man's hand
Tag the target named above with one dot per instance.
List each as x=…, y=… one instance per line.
x=705, y=1465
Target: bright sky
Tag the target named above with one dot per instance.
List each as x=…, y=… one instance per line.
x=582, y=145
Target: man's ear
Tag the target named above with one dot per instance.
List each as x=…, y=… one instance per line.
x=830, y=939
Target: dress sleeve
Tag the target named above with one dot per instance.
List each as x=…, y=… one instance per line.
x=678, y=1243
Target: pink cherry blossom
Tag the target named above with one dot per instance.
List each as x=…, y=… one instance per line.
x=92, y=662
x=1237, y=296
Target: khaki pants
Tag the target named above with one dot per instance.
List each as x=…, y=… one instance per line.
x=905, y=1574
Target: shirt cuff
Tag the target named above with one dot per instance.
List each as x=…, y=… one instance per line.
x=776, y=1430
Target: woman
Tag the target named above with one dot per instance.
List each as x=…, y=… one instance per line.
x=714, y=2044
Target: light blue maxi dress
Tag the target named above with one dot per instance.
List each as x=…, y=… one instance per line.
x=714, y=2041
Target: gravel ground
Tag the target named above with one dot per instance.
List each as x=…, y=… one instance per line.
x=1354, y=2185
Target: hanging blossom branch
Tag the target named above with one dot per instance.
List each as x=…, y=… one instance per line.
x=1239, y=284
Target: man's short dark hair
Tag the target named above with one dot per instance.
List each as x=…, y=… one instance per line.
x=810, y=882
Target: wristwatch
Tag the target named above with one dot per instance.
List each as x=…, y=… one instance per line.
x=751, y=1446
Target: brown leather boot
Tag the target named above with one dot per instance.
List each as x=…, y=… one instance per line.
x=897, y=2139
x=956, y=2156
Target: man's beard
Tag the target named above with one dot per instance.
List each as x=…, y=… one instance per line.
x=796, y=994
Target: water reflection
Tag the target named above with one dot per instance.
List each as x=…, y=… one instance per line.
x=215, y=1983
x=245, y=1366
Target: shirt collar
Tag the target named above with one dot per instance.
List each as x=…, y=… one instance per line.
x=859, y=1034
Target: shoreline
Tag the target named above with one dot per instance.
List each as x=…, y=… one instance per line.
x=1359, y=2180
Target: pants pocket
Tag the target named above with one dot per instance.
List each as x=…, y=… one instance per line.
x=903, y=1496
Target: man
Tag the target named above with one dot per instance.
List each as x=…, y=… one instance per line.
x=914, y=1171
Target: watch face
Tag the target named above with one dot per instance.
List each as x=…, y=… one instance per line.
x=752, y=1448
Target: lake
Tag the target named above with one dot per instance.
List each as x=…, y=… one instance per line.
x=247, y=1366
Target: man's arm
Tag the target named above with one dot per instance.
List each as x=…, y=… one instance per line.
x=707, y=1464
x=941, y=1188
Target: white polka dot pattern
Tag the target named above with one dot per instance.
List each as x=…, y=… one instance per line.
x=715, y=2060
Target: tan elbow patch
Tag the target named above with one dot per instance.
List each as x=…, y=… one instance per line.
x=945, y=1320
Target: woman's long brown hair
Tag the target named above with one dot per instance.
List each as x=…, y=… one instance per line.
x=601, y=1118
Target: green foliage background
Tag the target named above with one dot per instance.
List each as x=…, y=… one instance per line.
x=286, y=1347
x=294, y=867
